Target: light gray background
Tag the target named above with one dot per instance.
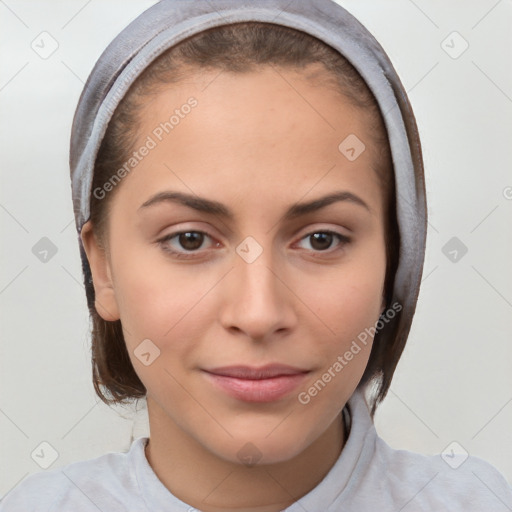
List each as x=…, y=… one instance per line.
x=453, y=382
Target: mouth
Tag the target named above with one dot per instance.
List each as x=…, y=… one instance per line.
x=257, y=384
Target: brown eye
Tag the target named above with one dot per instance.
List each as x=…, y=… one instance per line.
x=184, y=244
x=190, y=240
x=321, y=241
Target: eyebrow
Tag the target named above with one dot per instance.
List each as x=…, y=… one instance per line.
x=204, y=205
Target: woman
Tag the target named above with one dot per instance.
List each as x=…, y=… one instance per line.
x=249, y=194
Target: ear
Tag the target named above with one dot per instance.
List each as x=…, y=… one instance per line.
x=104, y=296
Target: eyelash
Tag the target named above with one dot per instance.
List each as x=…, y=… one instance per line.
x=344, y=240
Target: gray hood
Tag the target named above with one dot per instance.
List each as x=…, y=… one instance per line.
x=170, y=21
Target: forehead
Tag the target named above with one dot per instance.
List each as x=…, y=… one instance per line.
x=270, y=131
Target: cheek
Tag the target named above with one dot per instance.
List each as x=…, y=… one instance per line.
x=349, y=299
x=167, y=303
x=349, y=306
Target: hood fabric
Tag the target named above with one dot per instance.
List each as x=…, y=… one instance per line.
x=170, y=21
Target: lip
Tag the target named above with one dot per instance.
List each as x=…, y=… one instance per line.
x=257, y=384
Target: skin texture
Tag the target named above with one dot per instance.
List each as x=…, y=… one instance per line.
x=257, y=142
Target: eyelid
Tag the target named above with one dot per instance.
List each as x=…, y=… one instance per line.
x=323, y=228
x=186, y=228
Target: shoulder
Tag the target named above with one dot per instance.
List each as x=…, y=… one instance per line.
x=445, y=481
x=103, y=483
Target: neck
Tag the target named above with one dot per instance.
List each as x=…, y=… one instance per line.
x=201, y=479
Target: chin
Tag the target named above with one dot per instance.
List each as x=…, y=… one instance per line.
x=252, y=450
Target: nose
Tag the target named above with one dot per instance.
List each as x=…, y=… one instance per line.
x=257, y=302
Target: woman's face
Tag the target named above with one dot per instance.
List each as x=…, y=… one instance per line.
x=260, y=279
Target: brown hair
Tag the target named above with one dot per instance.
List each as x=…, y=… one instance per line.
x=237, y=47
